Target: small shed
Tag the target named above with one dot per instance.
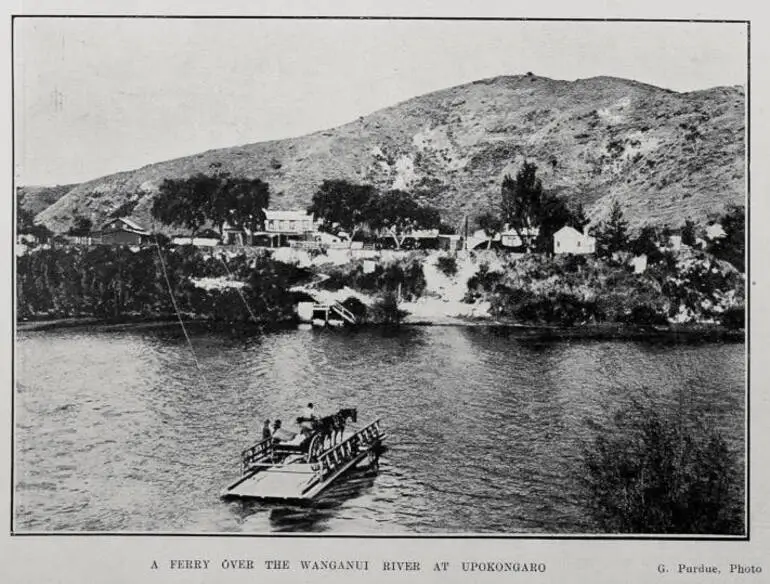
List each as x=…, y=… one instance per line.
x=570, y=240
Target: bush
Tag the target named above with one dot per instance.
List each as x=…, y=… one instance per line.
x=645, y=314
x=447, y=265
x=386, y=310
x=355, y=306
x=654, y=474
x=734, y=318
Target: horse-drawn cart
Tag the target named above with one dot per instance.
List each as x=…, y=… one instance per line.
x=304, y=464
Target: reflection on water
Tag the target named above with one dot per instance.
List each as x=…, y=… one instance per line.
x=118, y=431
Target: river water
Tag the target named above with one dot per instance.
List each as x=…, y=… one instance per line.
x=119, y=431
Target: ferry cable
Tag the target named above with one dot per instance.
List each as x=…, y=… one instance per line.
x=240, y=292
x=178, y=314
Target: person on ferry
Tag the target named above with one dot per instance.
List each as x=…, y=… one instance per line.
x=308, y=418
x=277, y=430
x=266, y=432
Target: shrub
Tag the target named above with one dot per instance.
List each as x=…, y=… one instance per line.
x=357, y=307
x=447, y=265
x=386, y=310
x=655, y=474
x=645, y=314
x=734, y=318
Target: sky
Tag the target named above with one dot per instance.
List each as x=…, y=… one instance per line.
x=97, y=96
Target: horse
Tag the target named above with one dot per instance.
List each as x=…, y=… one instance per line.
x=331, y=427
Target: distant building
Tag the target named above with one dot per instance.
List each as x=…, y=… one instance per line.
x=284, y=226
x=715, y=231
x=510, y=237
x=121, y=231
x=449, y=242
x=570, y=240
x=289, y=222
x=196, y=241
x=639, y=263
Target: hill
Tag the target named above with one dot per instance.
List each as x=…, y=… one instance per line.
x=664, y=155
x=36, y=199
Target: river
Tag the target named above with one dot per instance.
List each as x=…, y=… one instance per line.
x=117, y=430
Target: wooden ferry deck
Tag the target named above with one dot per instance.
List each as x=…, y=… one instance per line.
x=296, y=479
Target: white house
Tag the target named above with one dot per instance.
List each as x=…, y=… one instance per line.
x=715, y=231
x=639, y=263
x=289, y=222
x=570, y=240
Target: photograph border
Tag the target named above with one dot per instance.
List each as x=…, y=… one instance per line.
x=397, y=536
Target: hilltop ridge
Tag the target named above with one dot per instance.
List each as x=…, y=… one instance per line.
x=663, y=155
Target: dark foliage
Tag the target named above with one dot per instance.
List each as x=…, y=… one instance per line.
x=357, y=307
x=689, y=232
x=343, y=204
x=659, y=473
x=386, y=310
x=612, y=234
x=447, y=265
x=732, y=247
x=406, y=274
x=192, y=202
x=117, y=283
x=522, y=202
x=734, y=318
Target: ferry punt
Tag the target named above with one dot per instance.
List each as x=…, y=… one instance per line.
x=298, y=466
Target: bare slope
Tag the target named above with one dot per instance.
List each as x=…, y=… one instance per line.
x=36, y=199
x=664, y=155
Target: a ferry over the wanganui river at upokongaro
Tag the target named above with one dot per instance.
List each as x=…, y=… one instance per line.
x=289, y=466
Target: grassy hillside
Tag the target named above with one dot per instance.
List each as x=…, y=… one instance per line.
x=664, y=155
x=36, y=199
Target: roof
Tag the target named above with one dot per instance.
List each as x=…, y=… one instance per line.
x=130, y=224
x=567, y=230
x=288, y=215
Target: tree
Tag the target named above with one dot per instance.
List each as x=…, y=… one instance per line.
x=688, y=232
x=732, y=247
x=397, y=213
x=242, y=203
x=187, y=202
x=491, y=224
x=612, y=234
x=345, y=204
x=81, y=226
x=646, y=243
x=24, y=219
x=663, y=473
x=522, y=203
x=555, y=214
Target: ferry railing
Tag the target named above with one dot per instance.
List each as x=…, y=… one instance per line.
x=341, y=453
x=256, y=454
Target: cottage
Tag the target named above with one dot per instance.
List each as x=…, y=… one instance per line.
x=570, y=240
x=121, y=231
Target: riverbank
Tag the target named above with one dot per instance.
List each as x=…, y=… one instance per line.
x=678, y=333
x=554, y=295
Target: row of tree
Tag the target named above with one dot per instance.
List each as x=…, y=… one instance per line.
x=214, y=199
x=353, y=208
